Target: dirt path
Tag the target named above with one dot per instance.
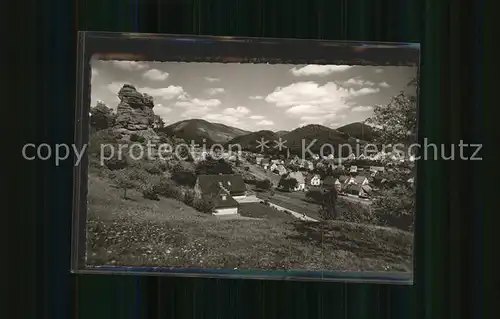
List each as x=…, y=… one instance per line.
x=294, y=214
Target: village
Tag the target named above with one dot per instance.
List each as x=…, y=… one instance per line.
x=355, y=179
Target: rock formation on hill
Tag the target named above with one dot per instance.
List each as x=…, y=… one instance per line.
x=135, y=111
x=134, y=114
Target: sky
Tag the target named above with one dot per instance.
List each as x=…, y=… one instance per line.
x=254, y=96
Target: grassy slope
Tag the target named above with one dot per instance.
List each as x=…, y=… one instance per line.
x=140, y=232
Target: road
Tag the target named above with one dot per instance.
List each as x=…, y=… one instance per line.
x=361, y=201
x=294, y=204
x=301, y=196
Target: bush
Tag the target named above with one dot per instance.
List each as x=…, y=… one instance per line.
x=264, y=184
x=149, y=193
x=315, y=196
x=138, y=175
x=153, y=168
x=163, y=166
x=116, y=163
x=137, y=138
x=168, y=189
x=396, y=207
x=184, y=178
x=328, y=201
x=107, y=136
x=357, y=213
x=214, y=167
x=189, y=197
x=287, y=184
x=125, y=180
x=204, y=205
x=102, y=117
x=329, y=204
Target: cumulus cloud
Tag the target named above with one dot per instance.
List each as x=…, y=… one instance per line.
x=198, y=103
x=230, y=116
x=224, y=119
x=166, y=93
x=210, y=79
x=194, y=112
x=329, y=96
x=265, y=123
x=214, y=91
x=384, y=84
x=359, y=82
x=326, y=119
x=307, y=109
x=195, y=107
x=130, y=65
x=320, y=70
x=155, y=75
x=319, y=119
x=256, y=97
x=237, y=112
x=311, y=103
x=364, y=91
x=362, y=108
x=162, y=111
x=257, y=117
x=114, y=87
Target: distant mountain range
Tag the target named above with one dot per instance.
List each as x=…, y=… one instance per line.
x=202, y=131
x=360, y=131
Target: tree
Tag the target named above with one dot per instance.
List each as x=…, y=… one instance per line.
x=237, y=161
x=137, y=138
x=396, y=206
x=126, y=180
x=101, y=116
x=315, y=195
x=396, y=122
x=287, y=184
x=214, y=167
x=158, y=122
x=204, y=204
x=263, y=184
x=184, y=178
x=328, y=204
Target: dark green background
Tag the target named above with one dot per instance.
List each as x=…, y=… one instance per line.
x=451, y=274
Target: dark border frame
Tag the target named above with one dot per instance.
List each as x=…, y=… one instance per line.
x=155, y=47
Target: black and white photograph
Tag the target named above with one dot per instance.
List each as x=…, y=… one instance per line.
x=251, y=166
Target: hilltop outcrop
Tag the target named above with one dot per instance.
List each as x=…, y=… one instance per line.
x=135, y=111
x=135, y=115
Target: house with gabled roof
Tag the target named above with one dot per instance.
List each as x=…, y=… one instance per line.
x=224, y=190
x=281, y=169
x=330, y=182
x=258, y=159
x=357, y=190
x=377, y=169
x=345, y=179
x=273, y=167
x=315, y=180
x=351, y=156
x=361, y=180
x=265, y=163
